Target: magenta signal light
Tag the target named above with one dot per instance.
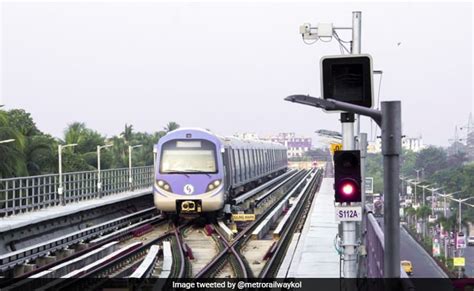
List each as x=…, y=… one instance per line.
x=348, y=189
x=347, y=177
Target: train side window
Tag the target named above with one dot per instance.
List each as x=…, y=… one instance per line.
x=265, y=161
x=247, y=167
x=272, y=152
x=242, y=164
x=237, y=165
x=249, y=152
x=254, y=161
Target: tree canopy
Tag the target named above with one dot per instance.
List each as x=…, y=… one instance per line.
x=34, y=152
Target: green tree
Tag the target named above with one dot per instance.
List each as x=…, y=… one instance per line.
x=374, y=168
x=12, y=161
x=171, y=126
x=431, y=159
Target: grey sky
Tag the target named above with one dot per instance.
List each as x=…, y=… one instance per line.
x=227, y=66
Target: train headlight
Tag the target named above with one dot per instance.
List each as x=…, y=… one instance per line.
x=163, y=185
x=213, y=185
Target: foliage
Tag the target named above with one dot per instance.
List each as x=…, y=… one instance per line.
x=431, y=159
x=374, y=168
x=36, y=153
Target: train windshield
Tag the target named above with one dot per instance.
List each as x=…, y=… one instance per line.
x=188, y=157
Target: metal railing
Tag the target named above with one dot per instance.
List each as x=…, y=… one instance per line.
x=25, y=194
x=374, y=241
x=375, y=247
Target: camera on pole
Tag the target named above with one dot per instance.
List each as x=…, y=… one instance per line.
x=348, y=78
x=347, y=177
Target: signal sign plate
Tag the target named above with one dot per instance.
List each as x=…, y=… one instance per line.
x=243, y=217
x=459, y=262
x=336, y=147
x=348, y=213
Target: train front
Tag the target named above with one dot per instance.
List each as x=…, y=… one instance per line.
x=189, y=173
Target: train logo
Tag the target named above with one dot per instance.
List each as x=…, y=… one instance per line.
x=188, y=189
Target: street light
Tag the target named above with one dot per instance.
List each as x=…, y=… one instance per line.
x=130, y=148
x=447, y=196
x=60, y=159
x=7, y=140
x=433, y=197
x=459, y=203
x=415, y=184
x=99, y=181
x=424, y=187
x=418, y=172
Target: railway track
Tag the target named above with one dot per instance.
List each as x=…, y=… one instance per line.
x=302, y=190
x=149, y=246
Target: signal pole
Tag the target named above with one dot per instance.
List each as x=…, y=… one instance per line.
x=349, y=235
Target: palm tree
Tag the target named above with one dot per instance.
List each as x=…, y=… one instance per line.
x=171, y=126
x=39, y=155
x=12, y=162
x=75, y=133
x=423, y=212
x=127, y=133
x=410, y=212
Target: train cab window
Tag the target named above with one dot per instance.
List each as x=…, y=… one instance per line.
x=188, y=156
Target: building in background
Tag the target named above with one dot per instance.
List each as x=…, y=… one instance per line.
x=408, y=143
x=247, y=135
x=297, y=145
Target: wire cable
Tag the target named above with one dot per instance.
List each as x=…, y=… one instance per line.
x=308, y=42
x=341, y=43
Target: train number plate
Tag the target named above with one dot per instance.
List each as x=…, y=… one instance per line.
x=348, y=213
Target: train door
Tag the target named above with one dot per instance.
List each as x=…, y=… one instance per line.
x=229, y=167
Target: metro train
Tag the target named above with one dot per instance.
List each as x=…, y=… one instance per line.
x=199, y=172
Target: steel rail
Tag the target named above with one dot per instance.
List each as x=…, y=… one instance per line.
x=308, y=194
x=238, y=239
x=12, y=259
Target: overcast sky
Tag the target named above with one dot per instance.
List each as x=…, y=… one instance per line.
x=227, y=67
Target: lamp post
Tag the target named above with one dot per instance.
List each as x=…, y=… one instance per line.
x=60, y=188
x=415, y=184
x=447, y=196
x=424, y=187
x=459, y=210
x=99, y=180
x=433, y=197
x=130, y=178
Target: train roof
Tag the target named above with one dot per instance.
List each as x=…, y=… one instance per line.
x=234, y=142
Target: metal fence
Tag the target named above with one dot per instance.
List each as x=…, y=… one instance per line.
x=375, y=247
x=374, y=241
x=24, y=194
